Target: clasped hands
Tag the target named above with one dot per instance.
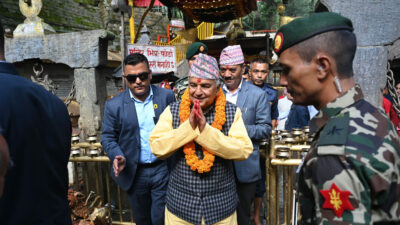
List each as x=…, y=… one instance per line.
x=196, y=118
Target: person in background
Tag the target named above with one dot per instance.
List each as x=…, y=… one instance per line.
x=201, y=135
x=298, y=117
x=191, y=55
x=245, y=74
x=386, y=103
x=194, y=50
x=128, y=121
x=254, y=104
x=284, y=105
x=37, y=128
x=258, y=74
x=394, y=116
x=353, y=139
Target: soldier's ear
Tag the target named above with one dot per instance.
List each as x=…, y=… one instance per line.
x=322, y=66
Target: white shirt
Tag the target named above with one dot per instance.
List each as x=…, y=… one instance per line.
x=284, y=105
x=232, y=97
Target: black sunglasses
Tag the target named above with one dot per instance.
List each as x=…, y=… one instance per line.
x=132, y=77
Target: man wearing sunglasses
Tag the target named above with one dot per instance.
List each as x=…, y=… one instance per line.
x=128, y=120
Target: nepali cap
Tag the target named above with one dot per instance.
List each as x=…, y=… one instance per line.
x=205, y=67
x=196, y=48
x=302, y=29
x=231, y=55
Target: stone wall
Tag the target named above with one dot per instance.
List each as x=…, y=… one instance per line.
x=79, y=15
x=377, y=27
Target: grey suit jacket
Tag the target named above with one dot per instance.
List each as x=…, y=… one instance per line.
x=256, y=114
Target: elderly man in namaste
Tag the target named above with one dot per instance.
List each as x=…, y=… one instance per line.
x=201, y=134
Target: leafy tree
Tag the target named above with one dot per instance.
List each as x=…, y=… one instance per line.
x=267, y=16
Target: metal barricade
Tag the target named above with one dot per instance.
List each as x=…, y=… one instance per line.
x=285, y=155
x=91, y=168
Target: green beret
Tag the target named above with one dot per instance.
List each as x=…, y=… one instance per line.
x=196, y=48
x=302, y=29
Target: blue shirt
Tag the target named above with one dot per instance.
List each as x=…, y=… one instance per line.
x=145, y=115
x=272, y=99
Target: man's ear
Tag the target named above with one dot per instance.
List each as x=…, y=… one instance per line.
x=323, y=65
x=150, y=74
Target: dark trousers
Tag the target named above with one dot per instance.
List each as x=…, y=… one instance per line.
x=246, y=193
x=260, y=186
x=147, y=195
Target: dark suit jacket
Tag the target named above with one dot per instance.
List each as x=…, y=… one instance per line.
x=256, y=114
x=298, y=117
x=121, y=135
x=37, y=127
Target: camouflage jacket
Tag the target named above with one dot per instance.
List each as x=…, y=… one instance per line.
x=351, y=174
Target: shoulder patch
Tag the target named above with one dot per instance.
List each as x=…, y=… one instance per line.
x=337, y=200
x=335, y=131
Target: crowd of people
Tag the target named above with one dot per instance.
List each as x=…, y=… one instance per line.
x=196, y=160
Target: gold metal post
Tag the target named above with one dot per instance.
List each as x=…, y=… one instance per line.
x=132, y=22
x=119, y=204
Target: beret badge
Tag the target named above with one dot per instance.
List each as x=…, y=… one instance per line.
x=201, y=49
x=278, y=42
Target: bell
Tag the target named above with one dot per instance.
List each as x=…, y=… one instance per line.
x=285, y=133
x=75, y=139
x=297, y=132
x=306, y=129
x=92, y=139
x=75, y=151
x=93, y=151
x=282, y=152
x=289, y=140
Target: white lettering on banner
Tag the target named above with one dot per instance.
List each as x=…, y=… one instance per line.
x=162, y=59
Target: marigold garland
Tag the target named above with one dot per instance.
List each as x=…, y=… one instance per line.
x=204, y=165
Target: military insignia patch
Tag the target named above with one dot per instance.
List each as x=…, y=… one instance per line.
x=335, y=131
x=278, y=42
x=201, y=49
x=337, y=200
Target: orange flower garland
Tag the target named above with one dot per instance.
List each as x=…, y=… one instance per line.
x=204, y=165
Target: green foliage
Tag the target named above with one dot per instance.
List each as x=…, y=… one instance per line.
x=263, y=18
x=267, y=16
x=88, y=2
x=300, y=7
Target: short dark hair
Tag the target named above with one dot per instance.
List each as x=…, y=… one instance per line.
x=1, y=39
x=136, y=58
x=258, y=60
x=340, y=44
x=246, y=69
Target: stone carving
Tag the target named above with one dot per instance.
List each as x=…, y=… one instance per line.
x=145, y=37
x=33, y=25
x=41, y=79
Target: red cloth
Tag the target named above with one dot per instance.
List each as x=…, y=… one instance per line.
x=395, y=119
x=146, y=3
x=387, y=105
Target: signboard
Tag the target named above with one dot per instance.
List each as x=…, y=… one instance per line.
x=162, y=59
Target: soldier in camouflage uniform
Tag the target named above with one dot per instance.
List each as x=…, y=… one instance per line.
x=351, y=174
